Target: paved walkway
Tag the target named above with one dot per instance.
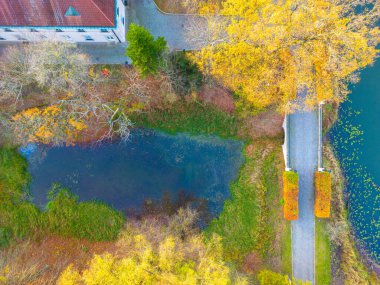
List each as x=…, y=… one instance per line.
x=102, y=54
x=303, y=138
x=172, y=27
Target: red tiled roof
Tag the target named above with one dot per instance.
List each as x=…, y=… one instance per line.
x=93, y=13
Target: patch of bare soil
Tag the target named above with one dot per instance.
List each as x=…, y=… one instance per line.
x=218, y=97
x=266, y=124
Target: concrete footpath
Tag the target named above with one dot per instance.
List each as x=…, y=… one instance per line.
x=303, y=157
x=170, y=26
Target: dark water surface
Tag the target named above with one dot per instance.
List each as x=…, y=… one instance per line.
x=125, y=174
x=356, y=139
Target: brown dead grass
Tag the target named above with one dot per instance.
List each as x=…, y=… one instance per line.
x=266, y=124
x=41, y=262
x=330, y=115
x=218, y=97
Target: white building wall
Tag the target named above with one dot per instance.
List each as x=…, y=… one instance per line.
x=68, y=35
x=121, y=18
x=74, y=35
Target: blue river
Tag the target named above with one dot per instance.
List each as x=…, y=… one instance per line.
x=356, y=140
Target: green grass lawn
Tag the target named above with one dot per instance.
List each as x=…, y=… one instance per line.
x=322, y=253
x=250, y=219
x=286, y=249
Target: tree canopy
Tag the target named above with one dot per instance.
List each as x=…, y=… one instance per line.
x=268, y=51
x=155, y=251
x=145, y=51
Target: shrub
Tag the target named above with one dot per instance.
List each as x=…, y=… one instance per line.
x=18, y=218
x=14, y=176
x=322, y=194
x=21, y=219
x=145, y=51
x=92, y=220
x=172, y=261
x=184, y=75
x=290, y=179
x=267, y=277
x=5, y=237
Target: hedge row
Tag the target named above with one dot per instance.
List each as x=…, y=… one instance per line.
x=322, y=194
x=290, y=179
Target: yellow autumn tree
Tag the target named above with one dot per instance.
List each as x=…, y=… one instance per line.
x=269, y=51
x=172, y=261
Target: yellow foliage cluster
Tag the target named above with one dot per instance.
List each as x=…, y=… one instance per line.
x=322, y=194
x=290, y=180
x=3, y=278
x=46, y=125
x=270, y=50
x=171, y=262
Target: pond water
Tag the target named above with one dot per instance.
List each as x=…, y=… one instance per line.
x=356, y=139
x=124, y=175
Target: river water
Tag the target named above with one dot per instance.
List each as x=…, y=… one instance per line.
x=356, y=140
x=124, y=175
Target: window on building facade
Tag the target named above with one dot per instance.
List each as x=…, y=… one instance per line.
x=21, y=38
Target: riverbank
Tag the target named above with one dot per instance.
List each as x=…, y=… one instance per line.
x=251, y=224
x=347, y=264
x=255, y=208
x=354, y=139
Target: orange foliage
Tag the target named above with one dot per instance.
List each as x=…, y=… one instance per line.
x=290, y=179
x=46, y=125
x=322, y=194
